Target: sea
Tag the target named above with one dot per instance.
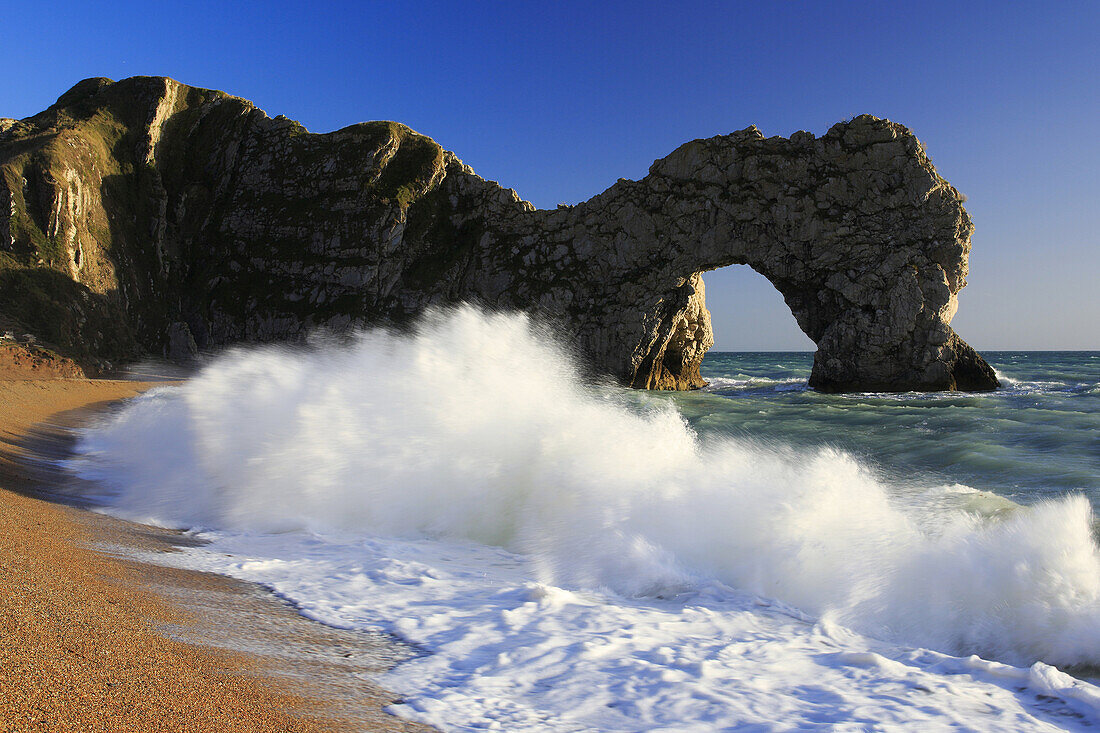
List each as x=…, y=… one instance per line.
x=564, y=555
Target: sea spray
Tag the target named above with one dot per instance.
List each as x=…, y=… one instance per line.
x=473, y=427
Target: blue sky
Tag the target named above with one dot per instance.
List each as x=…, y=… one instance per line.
x=558, y=100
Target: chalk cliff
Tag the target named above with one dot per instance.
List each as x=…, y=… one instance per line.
x=146, y=215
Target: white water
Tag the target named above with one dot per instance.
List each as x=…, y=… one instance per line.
x=545, y=539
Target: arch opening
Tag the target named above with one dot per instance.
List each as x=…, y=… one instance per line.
x=748, y=313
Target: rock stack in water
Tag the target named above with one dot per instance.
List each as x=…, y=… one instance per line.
x=148, y=216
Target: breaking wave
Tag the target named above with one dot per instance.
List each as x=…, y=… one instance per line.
x=474, y=427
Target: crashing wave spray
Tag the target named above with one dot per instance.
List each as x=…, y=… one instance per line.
x=475, y=427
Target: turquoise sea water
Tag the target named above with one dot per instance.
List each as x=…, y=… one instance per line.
x=1036, y=437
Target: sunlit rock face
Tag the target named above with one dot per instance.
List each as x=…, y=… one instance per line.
x=185, y=219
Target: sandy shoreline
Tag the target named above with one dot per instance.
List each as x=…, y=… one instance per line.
x=93, y=640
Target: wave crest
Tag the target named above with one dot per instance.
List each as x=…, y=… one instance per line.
x=475, y=427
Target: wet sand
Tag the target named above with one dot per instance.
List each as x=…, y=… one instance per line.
x=92, y=638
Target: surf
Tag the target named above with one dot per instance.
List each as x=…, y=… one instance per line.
x=474, y=427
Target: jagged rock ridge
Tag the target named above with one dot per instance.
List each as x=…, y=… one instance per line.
x=149, y=215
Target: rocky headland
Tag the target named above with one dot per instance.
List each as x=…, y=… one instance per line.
x=147, y=216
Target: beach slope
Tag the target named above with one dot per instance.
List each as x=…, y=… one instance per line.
x=93, y=640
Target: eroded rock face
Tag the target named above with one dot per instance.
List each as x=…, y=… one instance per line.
x=192, y=211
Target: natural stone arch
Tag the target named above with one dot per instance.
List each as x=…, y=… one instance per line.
x=199, y=217
x=866, y=242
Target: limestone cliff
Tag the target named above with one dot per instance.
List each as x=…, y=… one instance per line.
x=149, y=215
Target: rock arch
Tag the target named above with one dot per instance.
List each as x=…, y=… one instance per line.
x=866, y=242
x=201, y=221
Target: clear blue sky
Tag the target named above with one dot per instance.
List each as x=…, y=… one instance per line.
x=559, y=99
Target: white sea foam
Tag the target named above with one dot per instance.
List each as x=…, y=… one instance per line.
x=1011, y=385
x=386, y=457
x=744, y=383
